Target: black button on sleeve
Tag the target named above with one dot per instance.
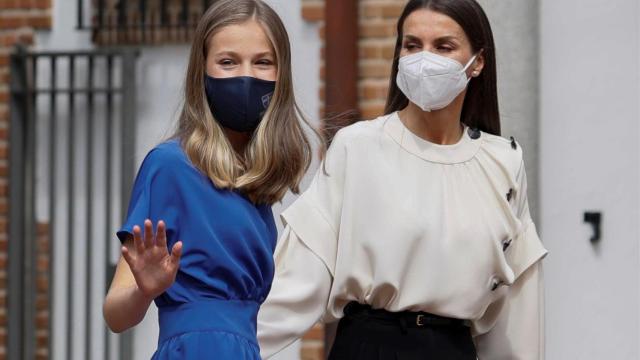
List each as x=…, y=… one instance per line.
x=474, y=133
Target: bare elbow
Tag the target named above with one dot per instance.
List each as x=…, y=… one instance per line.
x=116, y=330
x=112, y=323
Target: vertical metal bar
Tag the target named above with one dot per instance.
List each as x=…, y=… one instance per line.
x=111, y=27
x=16, y=324
x=108, y=123
x=185, y=18
x=53, y=127
x=32, y=90
x=100, y=15
x=22, y=220
x=30, y=238
x=127, y=169
x=128, y=128
x=71, y=256
x=89, y=197
x=80, y=14
x=143, y=18
x=163, y=14
x=122, y=14
x=205, y=5
x=122, y=20
x=49, y=275
x=185, y=13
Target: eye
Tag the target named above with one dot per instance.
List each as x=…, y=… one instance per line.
x=264, y=62
x=226, y=62
x=445, y=48
x=411, y=46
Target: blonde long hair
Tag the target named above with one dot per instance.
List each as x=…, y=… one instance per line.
x=279, y=153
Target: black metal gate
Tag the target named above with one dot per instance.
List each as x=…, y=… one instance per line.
x=72, y=134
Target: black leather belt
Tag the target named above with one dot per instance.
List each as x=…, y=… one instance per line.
x=406, y=319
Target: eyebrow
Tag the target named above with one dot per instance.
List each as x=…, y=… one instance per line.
x=412, y=38
x=265, y=53
x=443, y=38
x=234, y=54
x=228, y=53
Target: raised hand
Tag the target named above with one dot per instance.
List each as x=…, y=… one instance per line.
x=153, y=268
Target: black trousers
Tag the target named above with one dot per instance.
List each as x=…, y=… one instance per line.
x=366, y=334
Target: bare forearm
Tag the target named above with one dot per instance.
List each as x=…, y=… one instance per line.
x=124, y=308
x=145, y=270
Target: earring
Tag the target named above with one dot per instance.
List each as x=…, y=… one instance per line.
x=476, y=73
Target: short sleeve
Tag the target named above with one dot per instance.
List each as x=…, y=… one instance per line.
x=315, y=215
x=526, y=248
x=155, y=194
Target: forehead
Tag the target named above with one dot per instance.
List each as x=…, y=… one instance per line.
x=248, y=35
x=429, y=25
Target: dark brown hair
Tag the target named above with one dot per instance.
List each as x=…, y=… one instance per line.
x=480, y=108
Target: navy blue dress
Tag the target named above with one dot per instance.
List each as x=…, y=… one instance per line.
x=226, y=267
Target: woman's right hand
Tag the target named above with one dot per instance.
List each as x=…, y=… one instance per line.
x=153, y=268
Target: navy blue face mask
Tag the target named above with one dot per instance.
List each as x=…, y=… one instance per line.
x=239, y=103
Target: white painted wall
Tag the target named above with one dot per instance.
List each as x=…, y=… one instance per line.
x=590, y=159
x=160, y=75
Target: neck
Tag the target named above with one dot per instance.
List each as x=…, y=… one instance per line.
x=238, y=140
x=439, y=126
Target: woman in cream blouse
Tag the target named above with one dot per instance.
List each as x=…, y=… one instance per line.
x=416, y=231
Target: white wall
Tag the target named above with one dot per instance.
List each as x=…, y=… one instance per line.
x=590, y=159
x=160, y=75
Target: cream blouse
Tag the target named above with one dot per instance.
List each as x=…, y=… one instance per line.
x=399, y=223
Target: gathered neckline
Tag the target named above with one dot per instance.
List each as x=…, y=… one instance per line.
x=464, y=150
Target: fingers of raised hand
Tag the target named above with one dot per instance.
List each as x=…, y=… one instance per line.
x=148, y=234
x=161, y=235
x=138, y=243
x=127, y=256
x=176, y=253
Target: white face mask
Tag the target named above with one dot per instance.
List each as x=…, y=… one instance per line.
x=431, y=81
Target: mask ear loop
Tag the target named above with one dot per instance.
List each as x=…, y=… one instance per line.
x=473, y=59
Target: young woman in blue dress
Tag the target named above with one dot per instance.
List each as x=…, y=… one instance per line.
x=239, y=147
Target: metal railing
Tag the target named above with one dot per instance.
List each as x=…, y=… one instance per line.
x=71, y=169
x=139, y=21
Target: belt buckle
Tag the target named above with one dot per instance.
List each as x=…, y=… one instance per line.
x=420, y=320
